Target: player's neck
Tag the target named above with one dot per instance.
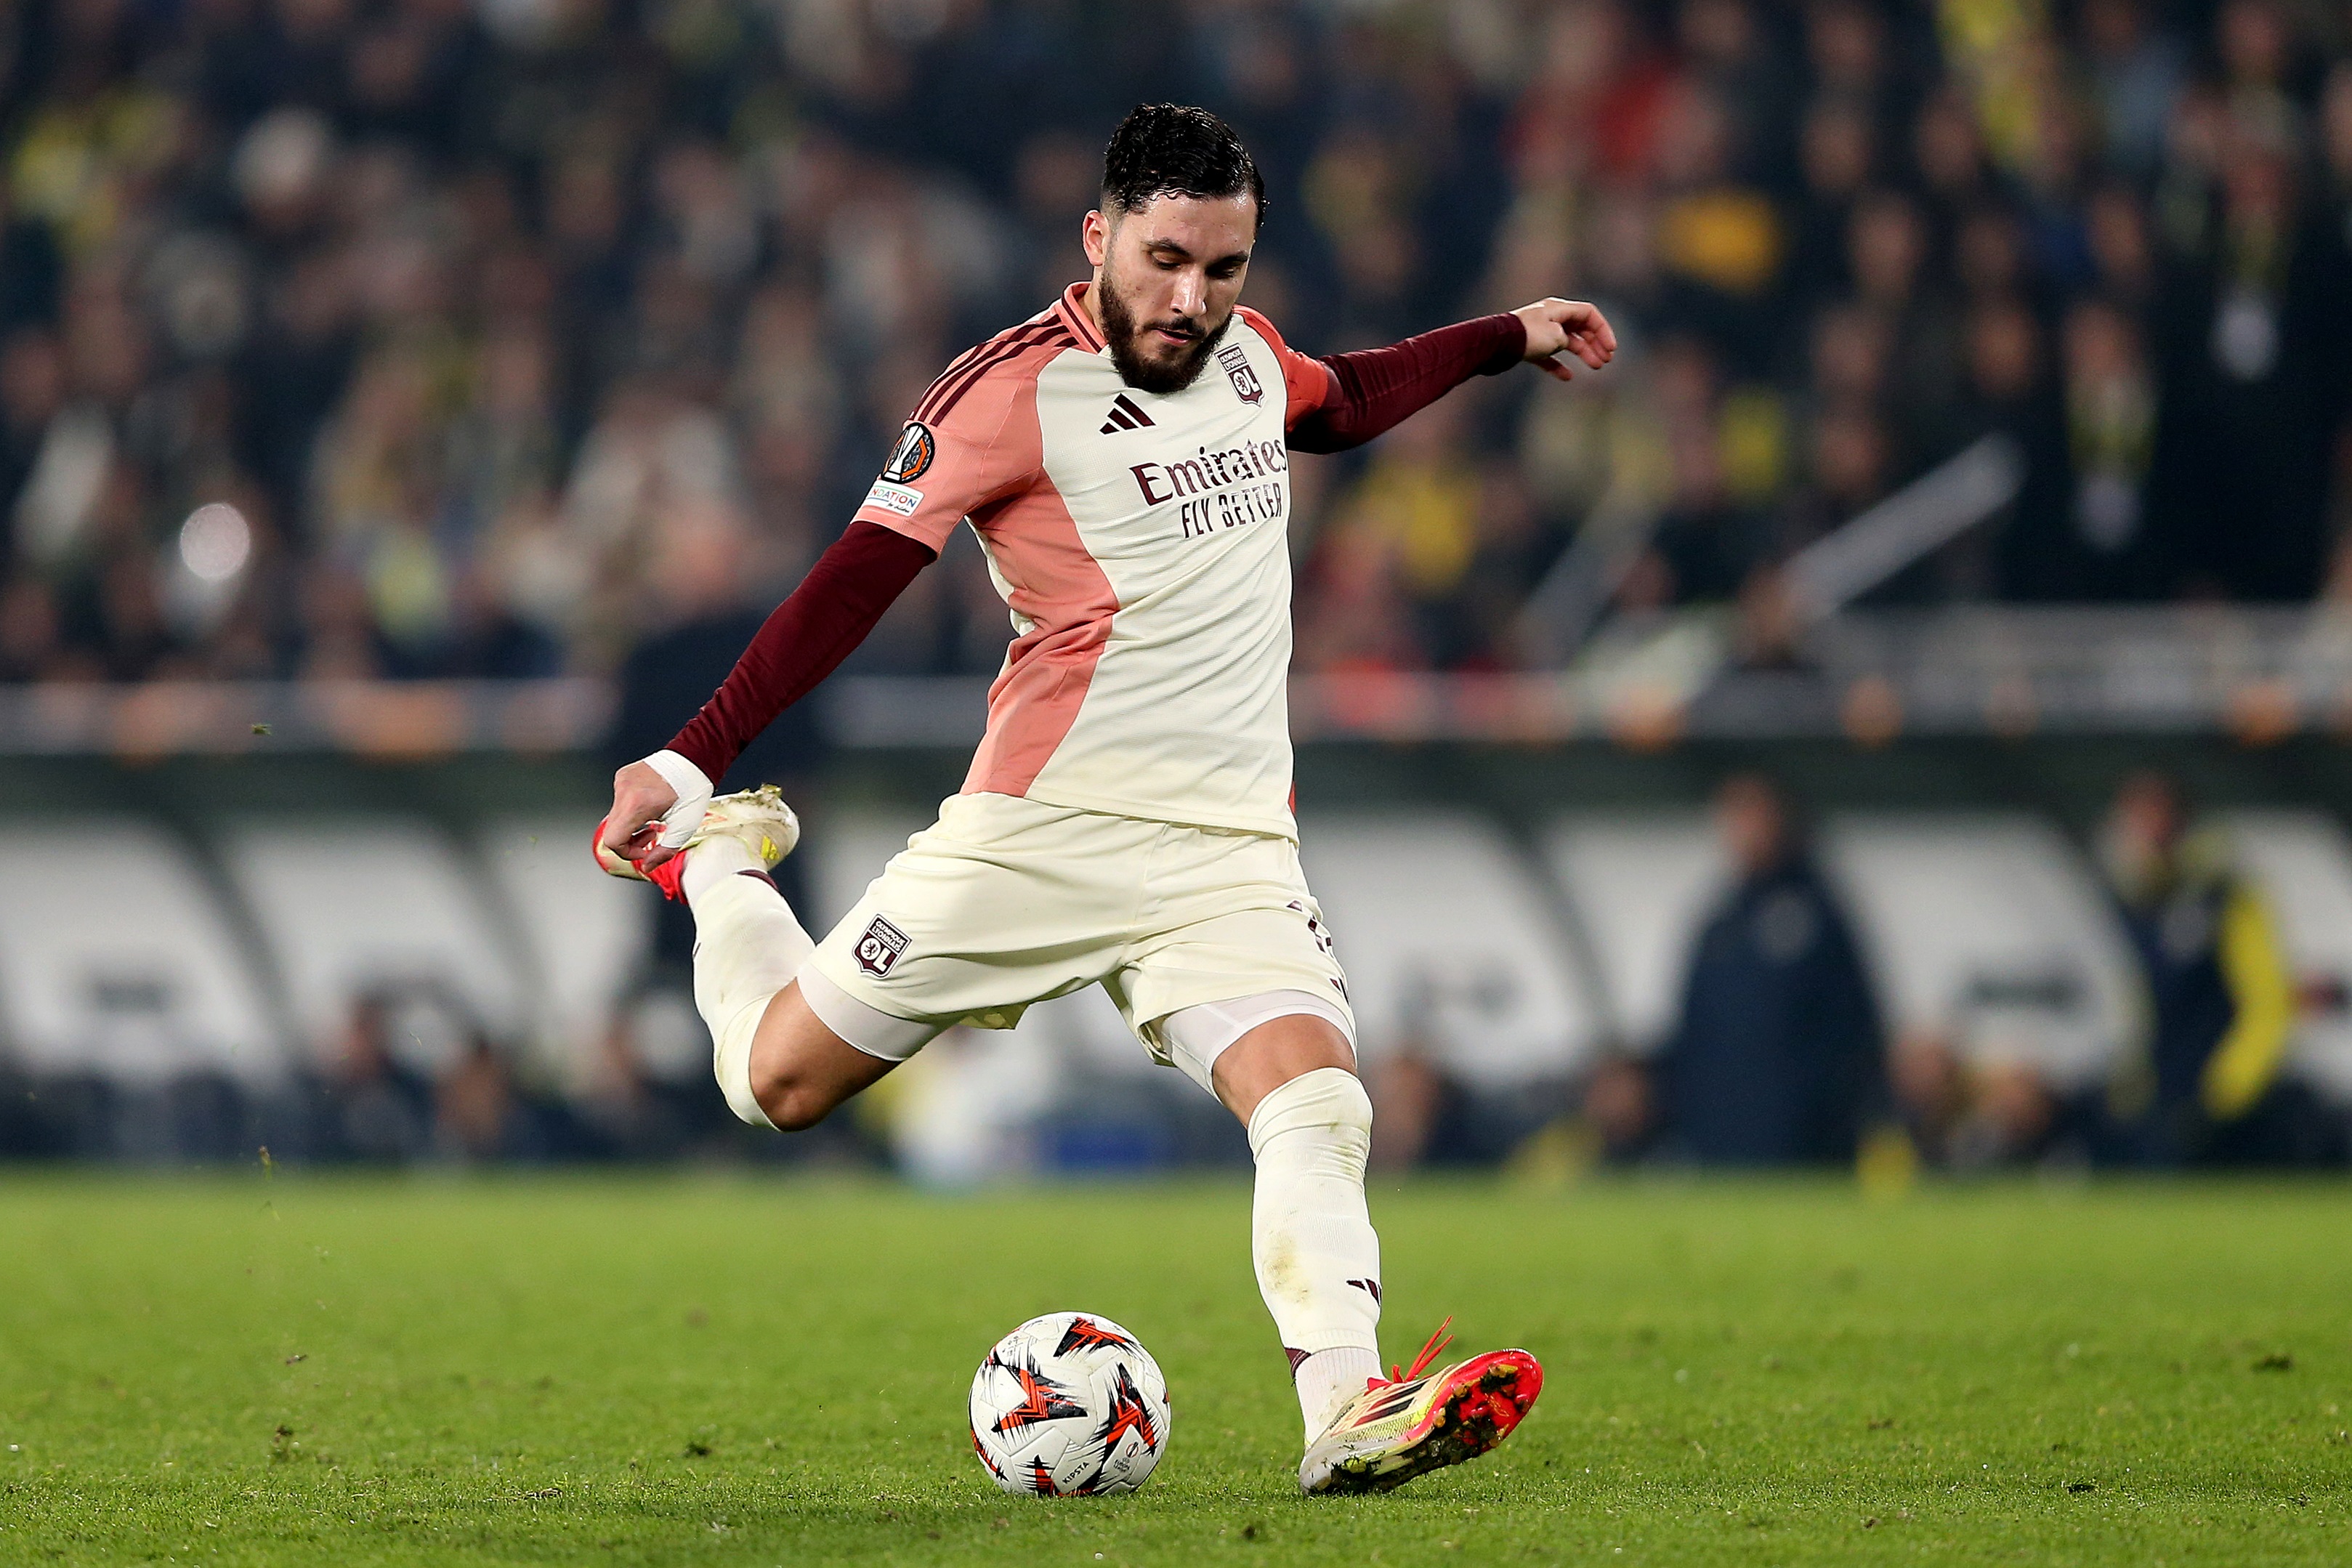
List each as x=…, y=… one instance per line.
x=1090, y=296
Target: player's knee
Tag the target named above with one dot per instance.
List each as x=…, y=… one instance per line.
x=1327, y=1105
x=795, y=1111
x=792, y=1100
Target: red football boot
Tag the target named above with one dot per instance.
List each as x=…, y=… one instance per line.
x=1407, y=1424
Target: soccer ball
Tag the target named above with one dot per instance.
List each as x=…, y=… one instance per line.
x=1069, y=1405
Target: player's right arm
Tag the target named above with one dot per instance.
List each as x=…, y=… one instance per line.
x=949, y=461
x=803, y=641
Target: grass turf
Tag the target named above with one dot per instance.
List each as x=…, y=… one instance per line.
x=689, y=1370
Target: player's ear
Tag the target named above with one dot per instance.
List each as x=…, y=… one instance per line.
x=1094, y=235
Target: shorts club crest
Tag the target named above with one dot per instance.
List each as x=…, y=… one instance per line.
x=879, y=949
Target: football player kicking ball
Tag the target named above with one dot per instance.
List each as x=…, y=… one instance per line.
x=1126, y=821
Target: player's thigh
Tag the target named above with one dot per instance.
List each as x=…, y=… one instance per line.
x=1005, y=902
x=801, y=1070
x=1242, y=931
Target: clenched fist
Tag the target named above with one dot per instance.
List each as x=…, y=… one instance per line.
x=642, y=799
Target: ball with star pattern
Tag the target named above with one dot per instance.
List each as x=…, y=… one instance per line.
x=1069, y=1405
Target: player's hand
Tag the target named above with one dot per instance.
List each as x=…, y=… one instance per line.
x=1556, y=327
x=632, y=828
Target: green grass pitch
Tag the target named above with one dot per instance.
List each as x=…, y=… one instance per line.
x=740, y=1371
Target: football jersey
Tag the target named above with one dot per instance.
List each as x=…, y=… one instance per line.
x=1141, y=542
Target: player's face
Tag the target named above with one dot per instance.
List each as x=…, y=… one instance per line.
x=1166, y=281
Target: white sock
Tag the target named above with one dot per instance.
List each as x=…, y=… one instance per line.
x=714, y=858
x=1329, y=1379
x=1318, y=1261
x=747, y=947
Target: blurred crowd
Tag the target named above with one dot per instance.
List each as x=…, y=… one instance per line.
x=413, y=1076
x=409, y=338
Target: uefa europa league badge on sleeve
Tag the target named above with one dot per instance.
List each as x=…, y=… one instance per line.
x=911, y=458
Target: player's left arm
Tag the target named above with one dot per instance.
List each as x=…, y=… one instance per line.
x=1344, y=400
x=2262, y=987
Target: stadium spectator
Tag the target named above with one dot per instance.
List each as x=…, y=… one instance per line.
x=2208, y=1088
x=648, y=1094
x=478, y=1112
x=1971, y=1109
x=1776, y=1057
x=1428, y=1112
x=372, y=1105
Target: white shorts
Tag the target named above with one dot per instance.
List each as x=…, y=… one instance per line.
x=1005, y=902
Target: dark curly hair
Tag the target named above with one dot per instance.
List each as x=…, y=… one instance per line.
x=1174, y=150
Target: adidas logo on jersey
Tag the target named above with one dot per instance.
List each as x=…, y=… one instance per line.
x=1124, y=416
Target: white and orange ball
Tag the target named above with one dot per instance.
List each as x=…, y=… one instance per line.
x=1069, y=1405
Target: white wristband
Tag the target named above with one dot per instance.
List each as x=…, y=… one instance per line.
x=693, y=787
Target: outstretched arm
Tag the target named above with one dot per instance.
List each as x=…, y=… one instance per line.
x=1373, y=391
x=802, y=641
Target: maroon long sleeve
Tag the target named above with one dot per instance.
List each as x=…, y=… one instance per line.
x=1375, y=390
x=803, y=641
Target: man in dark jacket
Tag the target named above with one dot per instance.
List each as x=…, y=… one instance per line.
x=1776, y=1056
x=2208, y=1088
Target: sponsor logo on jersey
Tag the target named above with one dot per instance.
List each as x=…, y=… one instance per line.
x=879, y=949
x=1213, y=490
x=910, y=459
x=1124, y=416
x=1240, y=372
x=891, y=498
x=1207, y=470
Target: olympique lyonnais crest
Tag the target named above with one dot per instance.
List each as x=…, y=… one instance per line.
x=879, y=949
x=1241, y=374
x=912, y=456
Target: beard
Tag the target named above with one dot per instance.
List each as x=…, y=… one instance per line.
x=1124, y=336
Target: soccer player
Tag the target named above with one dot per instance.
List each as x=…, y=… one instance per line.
x=1128, y=819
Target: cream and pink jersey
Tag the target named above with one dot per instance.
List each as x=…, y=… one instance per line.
x=1141, y=542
